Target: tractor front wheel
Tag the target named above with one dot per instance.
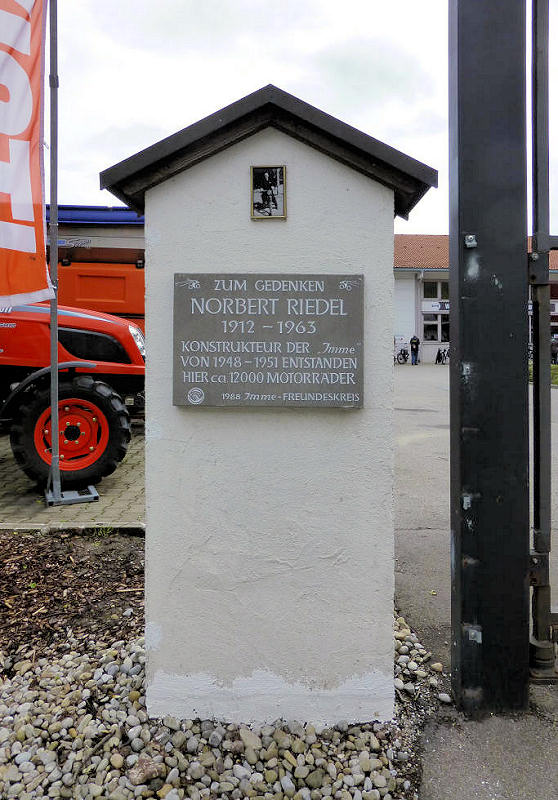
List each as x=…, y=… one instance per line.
x=94, y=431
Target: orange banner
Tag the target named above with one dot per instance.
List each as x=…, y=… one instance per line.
x=23, y=270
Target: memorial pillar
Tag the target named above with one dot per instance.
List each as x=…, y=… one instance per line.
x=269, y=438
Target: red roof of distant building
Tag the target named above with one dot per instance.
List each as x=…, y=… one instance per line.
x=421, y=251
x=431, y=251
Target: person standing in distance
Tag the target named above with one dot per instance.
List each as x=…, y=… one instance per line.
x=415, y=342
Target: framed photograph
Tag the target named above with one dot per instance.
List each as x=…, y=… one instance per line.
x=268, y=192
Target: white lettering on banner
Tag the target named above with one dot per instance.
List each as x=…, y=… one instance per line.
x=24, y=274
x=15, y=116
x=17, y=237
x=15, y=180
x=15, y=113
x=15, y=32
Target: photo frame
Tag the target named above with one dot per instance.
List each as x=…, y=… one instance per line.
x=268, y=192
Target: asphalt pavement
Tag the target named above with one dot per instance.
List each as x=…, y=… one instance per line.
x=501, y=757
x=422, y=542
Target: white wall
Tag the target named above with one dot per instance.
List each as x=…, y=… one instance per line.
x=405, y=297
x=269, y=544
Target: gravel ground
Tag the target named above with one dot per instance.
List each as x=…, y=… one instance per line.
x=73, y=724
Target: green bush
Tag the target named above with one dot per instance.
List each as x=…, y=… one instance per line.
x=553, y=373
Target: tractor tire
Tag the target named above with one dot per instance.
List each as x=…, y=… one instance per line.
x=94, y=428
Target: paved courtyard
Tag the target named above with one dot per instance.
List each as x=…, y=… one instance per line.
x=121, y=501
x=422, y=539
x=422, y=527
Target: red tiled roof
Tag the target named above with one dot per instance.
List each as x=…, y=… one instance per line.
x=430, y=251
x=420, y=251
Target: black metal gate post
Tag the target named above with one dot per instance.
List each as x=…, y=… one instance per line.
x=542, y=648
x=488, y=372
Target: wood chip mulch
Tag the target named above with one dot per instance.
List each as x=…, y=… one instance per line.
x=53, y=582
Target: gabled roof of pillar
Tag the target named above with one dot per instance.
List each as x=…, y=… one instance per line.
x=270, y=107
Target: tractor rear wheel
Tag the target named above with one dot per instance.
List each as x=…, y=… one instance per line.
x=94, y=431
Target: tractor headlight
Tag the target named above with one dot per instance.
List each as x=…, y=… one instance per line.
x=138, y=339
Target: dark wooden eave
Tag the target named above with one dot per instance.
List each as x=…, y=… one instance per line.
x=270, y=107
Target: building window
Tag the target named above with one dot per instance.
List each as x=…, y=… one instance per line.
x=430, y=327
x=436, y=328
x=436, y=290
x=430, y=290
x=435, y=316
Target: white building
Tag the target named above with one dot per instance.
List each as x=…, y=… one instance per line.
x=422, y=292
x=422, y=306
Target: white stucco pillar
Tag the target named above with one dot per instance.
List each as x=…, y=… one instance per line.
x=269, y=544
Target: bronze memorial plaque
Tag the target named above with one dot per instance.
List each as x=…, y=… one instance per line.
x=268, y=340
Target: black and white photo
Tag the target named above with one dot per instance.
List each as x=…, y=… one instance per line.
x=268, y=192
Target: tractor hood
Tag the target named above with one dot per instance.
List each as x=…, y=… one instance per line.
x=67, y=315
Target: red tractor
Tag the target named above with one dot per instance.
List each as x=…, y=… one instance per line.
x=101, y=382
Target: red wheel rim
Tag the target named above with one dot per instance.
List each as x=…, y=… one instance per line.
x=83, y=437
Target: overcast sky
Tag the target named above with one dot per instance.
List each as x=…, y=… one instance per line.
x=135, y=71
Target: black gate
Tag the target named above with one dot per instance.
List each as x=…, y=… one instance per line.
x=542, y=649
x=495, y=560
